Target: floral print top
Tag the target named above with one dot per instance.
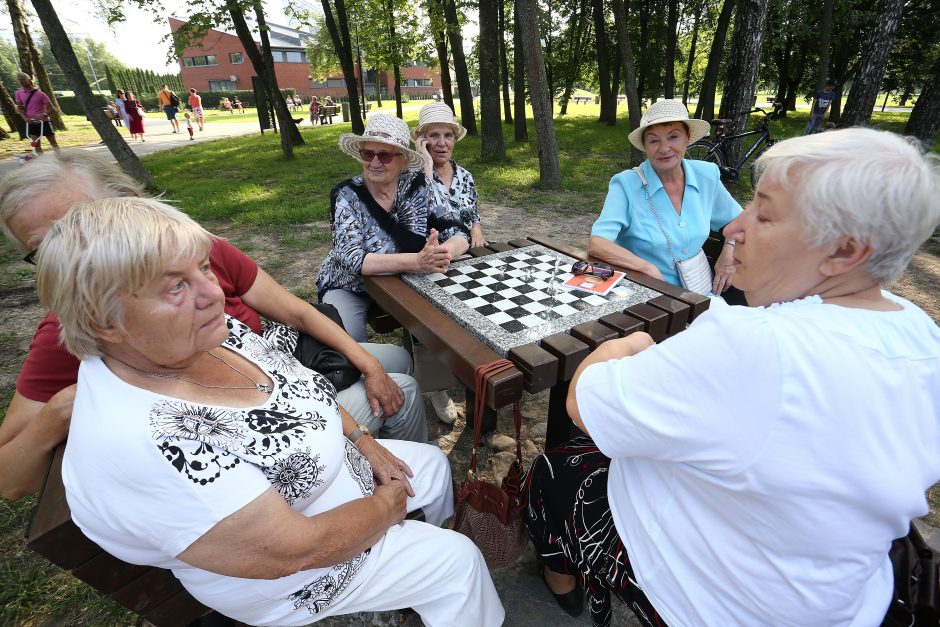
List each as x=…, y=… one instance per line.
x=356, y=231
x=462, y=195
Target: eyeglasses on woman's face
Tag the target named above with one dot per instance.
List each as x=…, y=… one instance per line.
x=385, y=157
x=598, y=269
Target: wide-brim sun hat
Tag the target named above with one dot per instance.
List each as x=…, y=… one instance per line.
x=437, y=113
x=382, y=128
x=663, y=111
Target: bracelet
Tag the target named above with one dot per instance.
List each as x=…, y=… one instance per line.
x=730, y=242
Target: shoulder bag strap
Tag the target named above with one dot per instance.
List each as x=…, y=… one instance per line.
x=649, y=199
x=482, y=375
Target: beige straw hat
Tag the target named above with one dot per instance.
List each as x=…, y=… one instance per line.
x=382, y=128
x=663, y=111
x=437, y=113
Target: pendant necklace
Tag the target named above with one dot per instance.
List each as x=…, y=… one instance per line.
x=260, y=387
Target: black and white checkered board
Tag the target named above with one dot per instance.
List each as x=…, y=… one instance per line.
x=506, y=299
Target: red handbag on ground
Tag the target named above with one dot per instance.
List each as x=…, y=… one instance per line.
x=488, y=514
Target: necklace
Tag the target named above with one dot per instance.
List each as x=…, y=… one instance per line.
x=261, y=387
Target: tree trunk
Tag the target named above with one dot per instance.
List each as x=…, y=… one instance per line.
x=825, y=39
x=490, y=121
x=838, y=70
x=339, y=33
x=614, y=89
x=781, y=57
x=925, y=117
x=467, y=115
x=518, y=77
x=378, y=87
x=644, y=44
x=629, y=77
x=504, y=64
x=706, y=100
x=549, y=167
x=603, y=71
x=576, y=33
x=14, y=120
x=693, y=46
x=871, y=70
x=42, y=79
x=743, y=63
x=62, y=49
x=672, y=23
x=440, y=42
x=395, y=56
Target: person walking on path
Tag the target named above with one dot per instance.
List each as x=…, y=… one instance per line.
x=121, y=104
x=34, y=107
x=170, y=103
x=135, y=112
x=195, y=102
x=821, y=102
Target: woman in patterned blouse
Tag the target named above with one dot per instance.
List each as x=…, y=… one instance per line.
x=438, y=126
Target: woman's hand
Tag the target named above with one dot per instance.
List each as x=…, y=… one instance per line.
x=724, y=270
x=395, y=500
x=476, y=236
x=421, y=147
x=434, y=257
x=385, y=466
x=653, y=271
x=384, y=395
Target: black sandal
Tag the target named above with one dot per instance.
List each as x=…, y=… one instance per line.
x=572, y=602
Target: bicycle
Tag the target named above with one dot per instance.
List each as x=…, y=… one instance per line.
x=717, y=151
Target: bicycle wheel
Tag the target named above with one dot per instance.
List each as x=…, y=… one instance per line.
x=704, y=150
x=752, y=175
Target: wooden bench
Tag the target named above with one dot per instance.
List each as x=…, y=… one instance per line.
x=153, y=593
x=581, y=99
x=328, y=111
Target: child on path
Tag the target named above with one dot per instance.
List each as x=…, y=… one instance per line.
x=821, y=102
x=189, y=125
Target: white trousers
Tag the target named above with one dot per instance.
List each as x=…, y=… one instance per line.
x=437, y=572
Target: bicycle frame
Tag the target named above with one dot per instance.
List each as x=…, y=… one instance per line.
x=731, y=174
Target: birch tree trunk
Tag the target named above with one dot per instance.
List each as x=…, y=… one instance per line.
x=692, y=47
x=290, y=135
x=62, y=49
x=871, y=69
x=549, y=167
x=603, y=69
x=706, y=99
x=672, y=23
x=339, y=33
x=492, y=146
x=518, y=77
x=629, y=74
x=504, y=64
x=925, y=118
x=743, y=63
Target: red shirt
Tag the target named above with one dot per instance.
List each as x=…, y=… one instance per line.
x=49, y=367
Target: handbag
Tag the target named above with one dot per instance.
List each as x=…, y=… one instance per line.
x=916, y=600
x=329, y=362
x=488, y=514
x=695, y=273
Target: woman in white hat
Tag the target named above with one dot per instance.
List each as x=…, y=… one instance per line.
x=440, y=130
x=662, y=211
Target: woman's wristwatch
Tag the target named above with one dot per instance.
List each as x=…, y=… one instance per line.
x=358, y=432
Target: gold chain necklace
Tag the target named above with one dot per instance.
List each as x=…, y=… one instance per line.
x=261, y=387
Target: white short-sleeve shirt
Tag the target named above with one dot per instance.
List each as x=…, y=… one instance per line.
x=764, y=459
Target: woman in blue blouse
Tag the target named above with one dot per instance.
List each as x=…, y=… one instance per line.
x=688, y=197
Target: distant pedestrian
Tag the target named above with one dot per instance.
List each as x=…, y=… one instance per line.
x=119, y=102
x=189, y=125
x=170, y=103
x=226, y=105
x=135, y=113
x=237, y=104
x=34, y=107
x=821, y=102
x=314, y=111
x=195, y=102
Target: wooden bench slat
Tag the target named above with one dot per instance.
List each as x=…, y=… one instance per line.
x=179, y=609
x=592, y=333
x=519, y=243
x=106, y=573
x=679, y=312
x=570, y=352
x=623, y=324
x=539, y=367
x=480, y=251
x=655, y=321
x=499, y=247
x=148, y=591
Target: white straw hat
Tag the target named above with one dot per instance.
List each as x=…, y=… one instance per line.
x=437, y=113
x=382, y=128
x=663, y=111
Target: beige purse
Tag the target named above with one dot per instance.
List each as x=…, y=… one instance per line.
x=695, y=273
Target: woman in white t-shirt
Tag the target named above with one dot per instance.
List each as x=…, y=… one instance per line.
x=754, y=469
x=195, y=445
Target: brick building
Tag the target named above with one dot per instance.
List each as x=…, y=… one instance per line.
x=220, y=64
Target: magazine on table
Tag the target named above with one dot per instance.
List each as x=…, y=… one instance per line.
x=593, y=284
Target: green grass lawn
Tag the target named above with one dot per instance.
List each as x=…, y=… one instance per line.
x=245, y=181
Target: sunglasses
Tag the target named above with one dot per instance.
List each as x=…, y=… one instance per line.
x=598, y=269
x=30, y=257
x=385, y=157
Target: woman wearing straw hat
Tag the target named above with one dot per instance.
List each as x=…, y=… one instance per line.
x=387, y=220
x=439, y=127
x=662, y=211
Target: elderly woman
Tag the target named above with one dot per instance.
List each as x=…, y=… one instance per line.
x=386, y=400
x=388, y=220
x=661, y=212
x=439, y=128
x=196, y=445
x=772, y=500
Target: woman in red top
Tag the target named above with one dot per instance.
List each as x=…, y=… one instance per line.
x=195, y=103
x=135, y=115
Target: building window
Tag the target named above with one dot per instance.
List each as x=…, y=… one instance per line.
x=335, y=82
x=208, y=59
x=221, y=86
x=314, y=83
x=416, y=82
x=235, y=58
x=289, y=56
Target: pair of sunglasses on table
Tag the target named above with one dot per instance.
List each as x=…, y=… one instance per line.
x=385, y=157
x=597, y=269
